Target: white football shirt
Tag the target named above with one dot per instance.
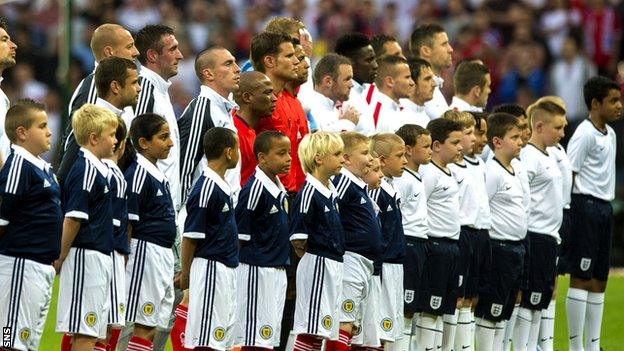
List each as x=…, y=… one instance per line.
x=442, y=202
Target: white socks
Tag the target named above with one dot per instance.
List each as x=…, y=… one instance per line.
x=499, y=335
x=576, y=304
x=522, y=328
x=449, y=330
x=535, y=329
x=547, y=327
x=593, y=321
x=509, y=329
x=440, y=330
x=426, y=331
x=463, y=336
x=484, y=334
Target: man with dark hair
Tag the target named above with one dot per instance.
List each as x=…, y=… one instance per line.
x=357, y=47
x=472, y=87
x=332, y=84
x=394, y=81
x=117, y=84
x=384, y=44
x=108, y=40
x=431, y=43
x=7, y=59
x=413, y=107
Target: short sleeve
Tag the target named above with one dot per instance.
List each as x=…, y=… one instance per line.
x=492, y=180
x=12, y=187
x=405, y=189
x=248, y=201
x=429, y=181
x=76, y=195
x=136, y=194
x=302, y=212
x=199, y=205
x=578, y=148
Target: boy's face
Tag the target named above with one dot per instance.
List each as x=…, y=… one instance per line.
x=468, y=141
x=421, y=152
x=525, y=131
x=480, y=137
x=395, y=161
x=332, y=162
x=451, y=149
x=611, y=106
x=37, y=137
x=358, y=161
x=553, y=130
x=373, y=178
x=278, y=159
x=511, y=144
x=104, y=144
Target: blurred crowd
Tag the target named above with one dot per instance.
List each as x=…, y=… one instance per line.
x=532, y=47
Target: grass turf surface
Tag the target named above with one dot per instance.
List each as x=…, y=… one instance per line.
x=612, y=322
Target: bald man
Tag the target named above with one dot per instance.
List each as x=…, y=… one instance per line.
x=107, y=40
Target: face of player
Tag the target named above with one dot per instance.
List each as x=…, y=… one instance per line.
x=278, y=158
x=359, y=160
x=403, y=82
x=103, y=146
x=37, y=137
x=226, y=71
x=441, y=52
x=525, y=131
x=365, y=65
x=421, y=152
x=130, y=91
x=611, y=106
x=451, y=149
x=395, y=161
x=332, y=162
x=125, y=47
x=392, y=48
x=480, y=138
x=303, y=67
x=373, y=178
x=286, y=62
x=158, y=147
x=512, y=143
x=169, y=57
x=553, y=130
x=468, y=141
x=262, y=98
x=7, y=50
x=425, y=85
x=342, y=85
x=482, y=98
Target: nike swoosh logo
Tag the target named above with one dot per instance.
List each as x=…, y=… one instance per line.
x=465, y=347
x=445, y=188
x=507, y=188
x=542, y=340
x=602, y=148
x=461, y=181
x=573, y=337
x=594, y=340
x=428, y=348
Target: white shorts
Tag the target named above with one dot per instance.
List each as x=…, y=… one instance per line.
x=356, y=281
x=319, y=281
x=260, y=304
x=84, y=293
x=366, y=332
x=391, y=302
x=212, y=305
x=117, y=314
x=24, y=300
x=149, y=284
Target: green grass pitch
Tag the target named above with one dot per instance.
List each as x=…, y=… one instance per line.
x=612, y=325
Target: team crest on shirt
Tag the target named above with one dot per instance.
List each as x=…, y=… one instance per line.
x=347, y=306
x=90, y=319
x=496, y=309
x=24, y=334
x=148, y=309
x=327, y=322
x=536, y=297
x=266, y=332
x=585, y=263
x=435, y=302
x=219, y=333
x=122, y=308
x=285, y=205
x=408, y=297
x=386, y=324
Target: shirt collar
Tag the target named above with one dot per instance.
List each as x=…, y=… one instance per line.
x=439, y=81
x=347, y=173
x=210, y=173
x=151, y=168
x=386, y=100
x=461, y=105
x=325, y=191
x=275, y=189
x=359, y=88
x=327, y=103
x=212, y=95
x=107, y=105
x=411, y=105
x=387, y=187
x=158, y=81
x=96, y=162
x=111, y=164
x=37, y=161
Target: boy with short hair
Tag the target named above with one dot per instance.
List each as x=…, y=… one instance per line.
x=440, y=280
x=592, y=151
x=30, y=226
x=363, y=247
x=391, y=151
x=210, y=248
x=508, y=229
x=317, y=237
x=414, y=210
x=87, y=232
x=262, y=221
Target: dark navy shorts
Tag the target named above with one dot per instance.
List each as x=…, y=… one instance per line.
x=542, y=270
x=479, y=264
x=413, y=265
x=440, y=280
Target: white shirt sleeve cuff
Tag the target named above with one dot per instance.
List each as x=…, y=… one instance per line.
x=244, y=237
x=77, y=214
x=3, y=222
x=194, y=235
x=133, y=217
x=298, y=236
